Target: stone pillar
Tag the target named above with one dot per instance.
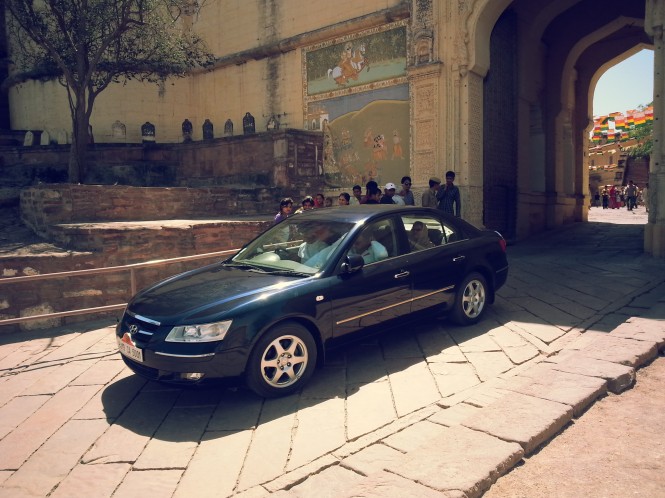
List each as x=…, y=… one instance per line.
x=424, y=105
x=462, y=107
x=470, y=168
x=654, y=232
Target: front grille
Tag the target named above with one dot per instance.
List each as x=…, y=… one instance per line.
x=141, y=331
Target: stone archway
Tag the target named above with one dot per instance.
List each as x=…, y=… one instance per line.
x=537, y=68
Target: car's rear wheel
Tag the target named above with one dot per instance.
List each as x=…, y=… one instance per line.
x=282, y=361
x=471, y=300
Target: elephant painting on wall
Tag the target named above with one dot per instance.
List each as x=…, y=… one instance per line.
x=366, y=136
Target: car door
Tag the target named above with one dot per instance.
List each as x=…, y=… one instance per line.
x=436, y=259
x=380, y=291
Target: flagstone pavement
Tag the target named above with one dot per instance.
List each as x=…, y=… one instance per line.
x=435, y=410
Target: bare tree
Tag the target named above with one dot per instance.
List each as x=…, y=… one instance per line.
x=88, y=44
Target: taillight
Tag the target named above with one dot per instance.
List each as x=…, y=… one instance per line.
x=502, y=243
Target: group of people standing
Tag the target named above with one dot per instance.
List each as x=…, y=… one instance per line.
x=630, y=196
x=446, y=197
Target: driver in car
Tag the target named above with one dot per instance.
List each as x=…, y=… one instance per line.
x=371, y=250
x=319, y=242
x=315, y=238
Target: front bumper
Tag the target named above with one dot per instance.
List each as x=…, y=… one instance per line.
x=173, y=362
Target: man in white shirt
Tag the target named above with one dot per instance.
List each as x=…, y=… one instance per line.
x=314, y=237
x=371, y=250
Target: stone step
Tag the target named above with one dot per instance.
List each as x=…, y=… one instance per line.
x=125, y=242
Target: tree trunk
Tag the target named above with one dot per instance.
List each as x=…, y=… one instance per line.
x=78, y=151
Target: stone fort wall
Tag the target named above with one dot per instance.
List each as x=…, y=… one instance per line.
x=259, y=50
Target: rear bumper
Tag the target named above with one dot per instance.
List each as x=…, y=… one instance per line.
x=500, y=278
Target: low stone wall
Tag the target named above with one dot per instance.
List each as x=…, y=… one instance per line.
x=291, y=159
x=40, y=297
x=46, y=205
x=113, y=244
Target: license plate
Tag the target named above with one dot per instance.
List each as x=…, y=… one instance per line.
x=129, y=350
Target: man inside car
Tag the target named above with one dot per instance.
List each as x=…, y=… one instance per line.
x=371, y=250
x=315, y=239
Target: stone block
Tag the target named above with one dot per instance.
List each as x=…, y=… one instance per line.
x=332, y=482
x=633, y=353
x=544, y=381
x=619, y=377
x=372, y=459
x=523, y=419
x=387, y=485
x=460, y=459
x=642, y=329
x=415, y=436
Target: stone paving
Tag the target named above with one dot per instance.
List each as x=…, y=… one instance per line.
x=436, y=410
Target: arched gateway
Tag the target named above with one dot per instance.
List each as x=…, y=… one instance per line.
x=499, y=91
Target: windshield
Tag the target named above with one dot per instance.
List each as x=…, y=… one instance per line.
x=294, y=246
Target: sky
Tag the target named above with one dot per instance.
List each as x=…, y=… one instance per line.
x=625, y=86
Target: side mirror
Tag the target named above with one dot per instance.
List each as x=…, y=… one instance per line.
x=353, y=263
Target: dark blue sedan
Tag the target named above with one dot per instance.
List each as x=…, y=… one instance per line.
x=309, y=283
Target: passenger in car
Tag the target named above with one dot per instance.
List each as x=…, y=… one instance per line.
x=419, y=237
x=371, y=250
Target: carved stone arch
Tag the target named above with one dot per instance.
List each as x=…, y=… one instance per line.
x=479, y=26
x=591, y=70
x=571, y=61
x=585, y=63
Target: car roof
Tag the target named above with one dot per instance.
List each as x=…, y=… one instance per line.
x=358, y=213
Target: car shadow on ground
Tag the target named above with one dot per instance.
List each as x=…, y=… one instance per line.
x=154, y=409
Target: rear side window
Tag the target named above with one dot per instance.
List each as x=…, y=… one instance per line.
x=426, y=232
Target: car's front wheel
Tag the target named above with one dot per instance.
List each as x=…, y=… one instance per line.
x=471, y=300
x=282, y=361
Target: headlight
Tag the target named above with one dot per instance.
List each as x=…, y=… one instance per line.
x=207, y=332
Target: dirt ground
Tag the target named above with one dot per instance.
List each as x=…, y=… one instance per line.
x=615, y=450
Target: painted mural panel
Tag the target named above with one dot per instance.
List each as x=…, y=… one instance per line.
x=366, y=137
x=376, y=55
x=355, y=91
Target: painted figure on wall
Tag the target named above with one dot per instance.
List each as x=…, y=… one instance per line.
x=397, y=146
x=379, y=149
x=351, y=64
x=345, y=62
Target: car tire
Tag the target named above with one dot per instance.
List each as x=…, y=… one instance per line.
x=471, y=300
x=282, y=361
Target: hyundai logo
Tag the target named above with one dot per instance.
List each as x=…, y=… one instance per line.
x=133, y=329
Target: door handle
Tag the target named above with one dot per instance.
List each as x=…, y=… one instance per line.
x=402, y=274
x=458, y=258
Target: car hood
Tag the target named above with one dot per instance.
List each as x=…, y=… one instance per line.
x=202, y=295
